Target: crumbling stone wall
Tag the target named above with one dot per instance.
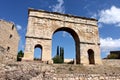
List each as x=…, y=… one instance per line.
x=111, y=62
x=9, y=40
x=43, y=24
x=39, y=71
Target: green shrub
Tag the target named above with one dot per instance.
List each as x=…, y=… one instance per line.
x=57, y=59
x=20, y=55
x=37, y=59
x=112, y=56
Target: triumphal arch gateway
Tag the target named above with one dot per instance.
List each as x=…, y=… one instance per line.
x=43, y=24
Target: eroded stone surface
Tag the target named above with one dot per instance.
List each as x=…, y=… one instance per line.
x=40, y=71
x=9, y=40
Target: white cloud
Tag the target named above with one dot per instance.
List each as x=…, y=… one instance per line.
x=109, y=44
x=110, y=16
x=94, y=15
x=118, y=24
x=21, y=45
x=58, y=7
x=18, y=27
x=100, y=25
x=66, y=34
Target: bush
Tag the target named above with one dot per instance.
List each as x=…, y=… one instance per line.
x=37, y=59
x=57, y=59
x=112, y=56
x=20, y=55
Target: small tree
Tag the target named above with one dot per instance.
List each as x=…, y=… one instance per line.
x=57, y=50
x=20, y=55
x=59, y=58
x=62, y=54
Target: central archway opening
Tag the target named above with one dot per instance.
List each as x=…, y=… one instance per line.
x=66, y=39
x=38, y=53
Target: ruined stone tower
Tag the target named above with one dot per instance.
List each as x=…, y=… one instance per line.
x=9, y=40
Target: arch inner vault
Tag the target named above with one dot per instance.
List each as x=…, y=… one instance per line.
x=76, y=39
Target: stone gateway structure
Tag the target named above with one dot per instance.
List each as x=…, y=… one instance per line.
x=43, y=24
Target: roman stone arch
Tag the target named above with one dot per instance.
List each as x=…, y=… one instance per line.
x=43, y=24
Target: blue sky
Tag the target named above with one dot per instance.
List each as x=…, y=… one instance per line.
x=106, y=11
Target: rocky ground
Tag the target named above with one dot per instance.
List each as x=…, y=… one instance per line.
x=42, y=71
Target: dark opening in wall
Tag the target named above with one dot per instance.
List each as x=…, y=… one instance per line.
x=12, y=27
x=91, y=56
x=8, y=48
x=10, y=36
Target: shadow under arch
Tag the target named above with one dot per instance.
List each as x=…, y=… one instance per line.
x=40, y=52
x=76, y=39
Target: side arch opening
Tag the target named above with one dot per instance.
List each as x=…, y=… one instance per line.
x=38, y=52
x=91, y=56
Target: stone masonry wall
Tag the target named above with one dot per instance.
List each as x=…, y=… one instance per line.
x=111, y=62
x=9, y=38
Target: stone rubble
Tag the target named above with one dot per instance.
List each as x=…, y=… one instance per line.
x=42, y=71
